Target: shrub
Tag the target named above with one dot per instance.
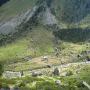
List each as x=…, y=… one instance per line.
x=1, y=69
x=22, y=84
x=69, y=73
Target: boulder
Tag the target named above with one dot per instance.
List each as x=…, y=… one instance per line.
x=27, y=58
x=35, y=74
x=58, y=82
x=45, y=58
x=11, y=74
x=56, y=72
x=88, y=58
x=49, y=66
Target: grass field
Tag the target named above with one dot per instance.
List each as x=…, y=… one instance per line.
x=68, y=54
x=33, y=44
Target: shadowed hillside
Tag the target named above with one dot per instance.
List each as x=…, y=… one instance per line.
x=73, y=35
x=3, y=2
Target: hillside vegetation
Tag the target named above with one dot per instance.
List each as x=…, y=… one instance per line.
x=32, y=31
x=14, y=7
x=38, y=40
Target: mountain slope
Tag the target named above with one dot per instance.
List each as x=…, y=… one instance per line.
x=70, y=10
x=30, y=43
x=14, y=7
x=70, y=13
x=42, y=37
x=47, y=15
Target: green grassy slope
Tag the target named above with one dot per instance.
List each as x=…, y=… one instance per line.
x=15, y=7
x=68, y=54
x=34, y=43
x=37, y=42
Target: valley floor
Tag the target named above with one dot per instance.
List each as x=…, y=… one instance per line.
x=27, y=53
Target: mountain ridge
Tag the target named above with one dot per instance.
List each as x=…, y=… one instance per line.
x=49, y=14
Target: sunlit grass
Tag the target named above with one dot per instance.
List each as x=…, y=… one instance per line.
x=24, y=46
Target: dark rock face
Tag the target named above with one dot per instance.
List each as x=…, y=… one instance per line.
x=3, y=2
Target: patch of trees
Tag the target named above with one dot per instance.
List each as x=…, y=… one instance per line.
x=5, y=39
x=73, y=35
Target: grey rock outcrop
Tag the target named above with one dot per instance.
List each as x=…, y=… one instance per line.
x=12, y=25
x=49, y=12
x=58, y=82
x=35, y=74
x=37, y=13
